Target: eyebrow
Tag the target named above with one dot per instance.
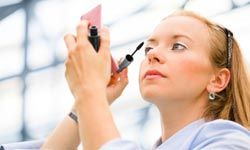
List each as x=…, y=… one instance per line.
x=175, y=36
x=151, y=40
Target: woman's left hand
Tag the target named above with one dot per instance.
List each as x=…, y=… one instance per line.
x=87, y=70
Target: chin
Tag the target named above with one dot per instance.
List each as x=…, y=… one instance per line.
x=150, y=94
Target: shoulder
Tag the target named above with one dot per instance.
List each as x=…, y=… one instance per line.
x=223, y=134
x=224, y=125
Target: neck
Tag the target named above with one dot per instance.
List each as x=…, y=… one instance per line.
x=176, y=116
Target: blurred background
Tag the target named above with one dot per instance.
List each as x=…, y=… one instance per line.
x=34, y=96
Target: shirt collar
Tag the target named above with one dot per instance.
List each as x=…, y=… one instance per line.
x=192, y=124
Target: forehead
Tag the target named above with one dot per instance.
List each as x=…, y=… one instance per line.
x=182, y=25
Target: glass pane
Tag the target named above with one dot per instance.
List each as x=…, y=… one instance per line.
x=10, y=106
x=51, y=29
x=12, y=31
x=241, y=2
x=209, y=8
x=40, y=54
x=8, y=2
x=48, y=99
x=11, y=61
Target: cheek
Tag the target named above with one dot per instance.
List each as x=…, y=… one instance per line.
x=142, y=67
x=197, y=66
x=143, y=88
x=190, y=70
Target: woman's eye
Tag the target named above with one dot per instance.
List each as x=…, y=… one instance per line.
x=147, y=49
x=178, y=46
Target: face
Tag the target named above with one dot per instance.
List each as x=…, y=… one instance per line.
x=176, y=65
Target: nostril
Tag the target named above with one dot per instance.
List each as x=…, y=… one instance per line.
x=154, y=59
x=154, y=56
x=157, y=59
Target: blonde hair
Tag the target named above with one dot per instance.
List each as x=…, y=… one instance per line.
x=233, y=103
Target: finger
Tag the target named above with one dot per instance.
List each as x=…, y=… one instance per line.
x=114, y=78
x=114, y=65
x=67, y=68
x=123, y=82
x=82, y=31
x=70, y=41
x=68, y=64
x=124, y=74
x=105, y=42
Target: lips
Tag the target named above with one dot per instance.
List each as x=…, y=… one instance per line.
x=153, y=74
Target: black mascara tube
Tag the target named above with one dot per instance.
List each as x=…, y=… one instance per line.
x=125, y=63
x=94, y=38
x=128, y=59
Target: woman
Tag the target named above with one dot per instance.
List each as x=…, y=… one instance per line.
x=193, y=72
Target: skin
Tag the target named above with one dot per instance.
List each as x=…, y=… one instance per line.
x=178, y=52
x=181, y=55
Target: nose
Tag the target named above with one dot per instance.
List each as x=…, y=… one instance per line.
x=154, y=56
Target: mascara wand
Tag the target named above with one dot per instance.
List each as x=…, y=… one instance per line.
x=128, y=59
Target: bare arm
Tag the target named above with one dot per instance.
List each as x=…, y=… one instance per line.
x=88, y=74
x=96, y=124
x=64, y=137
x=66, y=134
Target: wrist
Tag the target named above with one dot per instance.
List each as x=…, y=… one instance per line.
x=90, y=98
x=73, y=116
x=88, y=91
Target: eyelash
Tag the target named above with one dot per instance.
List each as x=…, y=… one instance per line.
x=179, y=44
x=147, y=49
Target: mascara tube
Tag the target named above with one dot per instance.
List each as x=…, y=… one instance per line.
x=126, y=62
x=94, y=38
x=128, y=59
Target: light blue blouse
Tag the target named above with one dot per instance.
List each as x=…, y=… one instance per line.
x=199, y=135
x=214, y=135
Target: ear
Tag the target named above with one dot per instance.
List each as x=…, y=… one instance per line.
x=219, y=81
